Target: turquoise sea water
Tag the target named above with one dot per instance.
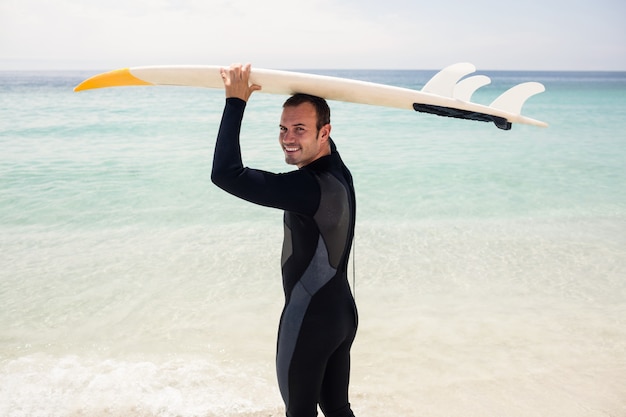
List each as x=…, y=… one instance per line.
x=490, y=266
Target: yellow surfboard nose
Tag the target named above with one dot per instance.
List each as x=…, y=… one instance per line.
x=117, y=78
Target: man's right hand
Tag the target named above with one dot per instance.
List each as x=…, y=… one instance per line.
x=237, y=81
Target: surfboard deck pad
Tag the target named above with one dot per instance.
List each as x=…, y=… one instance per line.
x=500, y=122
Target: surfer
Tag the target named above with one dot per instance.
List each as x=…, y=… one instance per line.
x=319, y=319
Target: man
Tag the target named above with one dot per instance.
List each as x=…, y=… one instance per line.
x=319, y=319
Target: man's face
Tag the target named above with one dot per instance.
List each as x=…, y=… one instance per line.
x=299, y=138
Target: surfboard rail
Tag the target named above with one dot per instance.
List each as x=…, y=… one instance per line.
x=447, y=93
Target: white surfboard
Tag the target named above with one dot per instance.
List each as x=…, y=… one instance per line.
x=448, y=93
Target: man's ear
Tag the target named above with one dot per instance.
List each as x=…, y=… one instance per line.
x=324, y=133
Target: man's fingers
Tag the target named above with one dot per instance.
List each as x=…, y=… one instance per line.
x=237, y=81
x=235, y=71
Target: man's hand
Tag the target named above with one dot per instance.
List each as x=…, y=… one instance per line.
x=237, y=81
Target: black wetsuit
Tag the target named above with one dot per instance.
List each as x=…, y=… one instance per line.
x=319, y=320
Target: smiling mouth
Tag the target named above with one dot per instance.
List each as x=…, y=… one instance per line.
x=290, y=149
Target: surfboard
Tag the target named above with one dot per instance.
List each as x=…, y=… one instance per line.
x=448, y=93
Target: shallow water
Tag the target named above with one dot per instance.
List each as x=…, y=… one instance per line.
x=488, y=267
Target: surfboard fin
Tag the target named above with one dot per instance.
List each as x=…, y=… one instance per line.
x=444, y=82
x=465, y=88
x=514, y=98
x=500, y=122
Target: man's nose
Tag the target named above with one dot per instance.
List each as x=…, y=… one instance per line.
x=288, y=137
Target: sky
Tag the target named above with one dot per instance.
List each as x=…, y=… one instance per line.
x=314, y=34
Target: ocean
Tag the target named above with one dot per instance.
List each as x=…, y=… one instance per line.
x=489, y=266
